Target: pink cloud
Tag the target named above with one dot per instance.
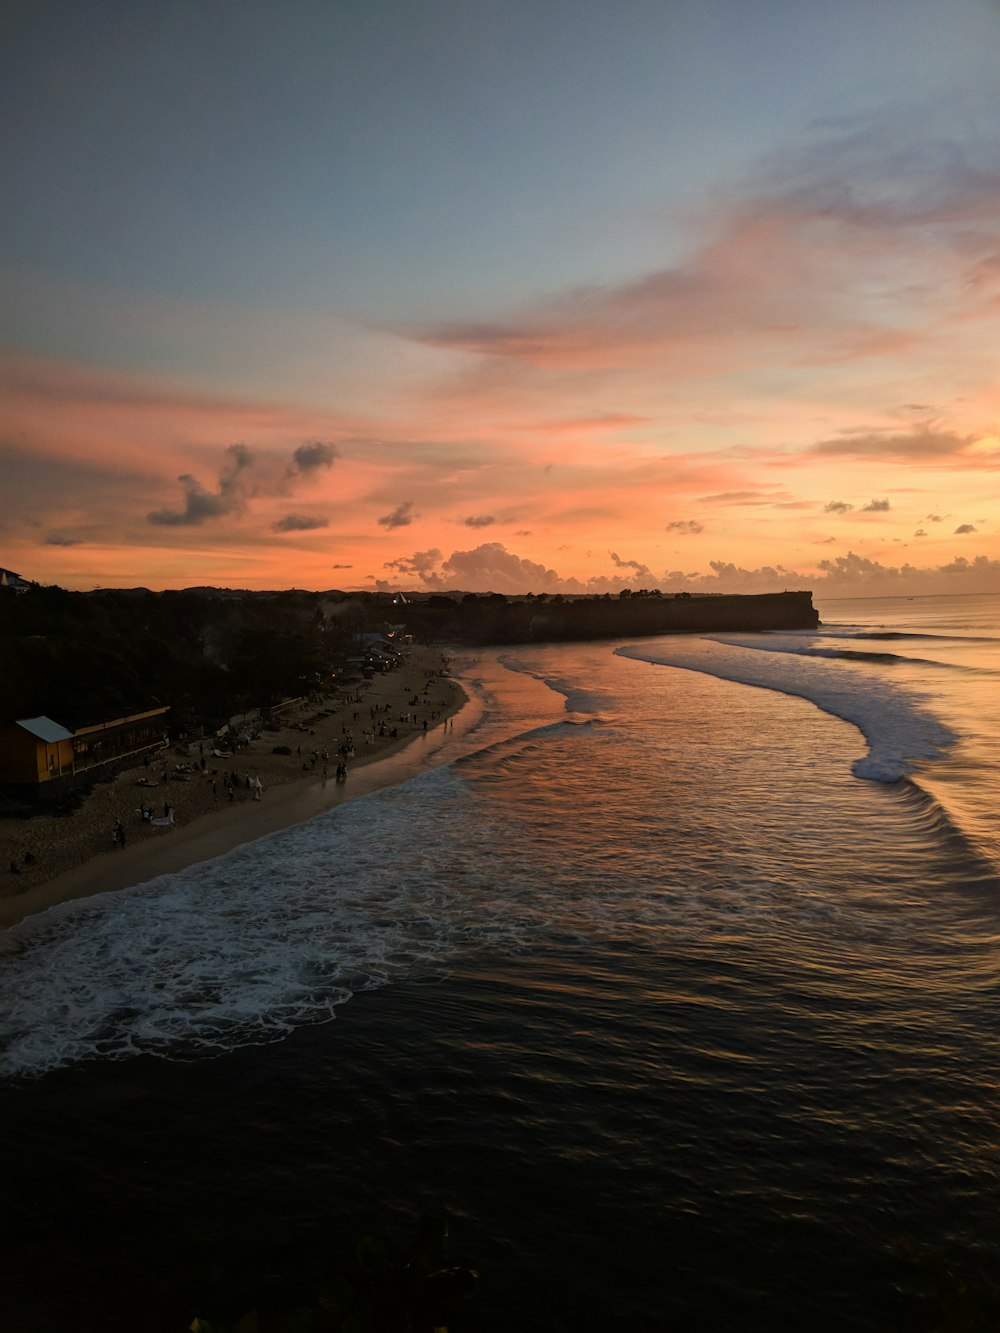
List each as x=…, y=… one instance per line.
x=492, y=568
x=830, y=327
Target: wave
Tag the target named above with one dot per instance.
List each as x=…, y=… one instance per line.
x=398, y=885
x=579, y=699
x=900, y=731
x=781, y=644
x=238, y=951
x=850, y=632
x=972, y=860
x=508, y=747
x=274, y=935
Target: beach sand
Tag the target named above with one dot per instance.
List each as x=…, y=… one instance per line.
x=74, y=854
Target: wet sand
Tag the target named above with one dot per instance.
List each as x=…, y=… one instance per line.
x=74, y=856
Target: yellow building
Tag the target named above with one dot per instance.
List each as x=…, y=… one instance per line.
x=35, y=749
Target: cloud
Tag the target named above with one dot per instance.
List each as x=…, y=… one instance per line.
x=341, y=566
x=837, y=507
x=889, y=170
x=487, y=568
x=964, y=527
x=981, y=565
x=685, y=527
x=242, y=477
x=492, y=568
x=310, y=458
x=596, y=421
x=479, y=521
x=401, y=516
x=853, y=572
x=859, y=246
x=299, y=523
x=734, y=498
x=846, y=575
x=759, y=496
x=200, y=504
x=420, y=563
x=56, y=539
x=876, y=507
x=776, y=292
x=926, y=444
x=920, y=533
x=935, y=518
x=642, y=572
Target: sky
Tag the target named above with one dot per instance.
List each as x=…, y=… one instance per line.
x=502, y=295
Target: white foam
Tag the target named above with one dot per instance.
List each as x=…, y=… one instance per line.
x=240, y=949
x=899, y=728
x=395, y=885
x=801, y=643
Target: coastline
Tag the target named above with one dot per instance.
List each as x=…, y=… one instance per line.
x=207, y=827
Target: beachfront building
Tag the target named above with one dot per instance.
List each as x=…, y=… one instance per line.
x=119, y=738
x=36, y=750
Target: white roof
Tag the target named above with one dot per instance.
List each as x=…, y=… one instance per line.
x=45, y=729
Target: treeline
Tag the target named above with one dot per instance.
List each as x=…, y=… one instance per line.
x=210, y=653
x=87, y=657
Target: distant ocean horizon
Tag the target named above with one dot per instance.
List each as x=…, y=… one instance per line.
x=674, y=984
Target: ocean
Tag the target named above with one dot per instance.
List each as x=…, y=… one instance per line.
x=674, y=985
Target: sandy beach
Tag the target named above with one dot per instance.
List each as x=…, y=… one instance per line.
x=74, y=856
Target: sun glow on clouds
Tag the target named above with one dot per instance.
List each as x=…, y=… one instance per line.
x=803, y=360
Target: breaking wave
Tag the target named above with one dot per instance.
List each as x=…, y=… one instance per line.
x=900, y=730
x=239, y=950
x=849, y=632
x=782, y=644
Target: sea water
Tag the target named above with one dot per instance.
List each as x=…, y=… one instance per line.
x=675, y=984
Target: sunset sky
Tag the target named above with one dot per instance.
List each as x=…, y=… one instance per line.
x=502, y=294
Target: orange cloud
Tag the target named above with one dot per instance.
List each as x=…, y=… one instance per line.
x=829, y=328
x=927, y=444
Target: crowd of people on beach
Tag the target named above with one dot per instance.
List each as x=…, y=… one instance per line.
x=202, y=782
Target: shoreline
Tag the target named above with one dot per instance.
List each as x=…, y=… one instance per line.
x=209, y=827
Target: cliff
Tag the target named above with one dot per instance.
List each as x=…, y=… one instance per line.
x=492, y=619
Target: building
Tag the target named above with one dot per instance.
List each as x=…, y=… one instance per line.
x=120, y=738
x=35, y=750
x=8, y=579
